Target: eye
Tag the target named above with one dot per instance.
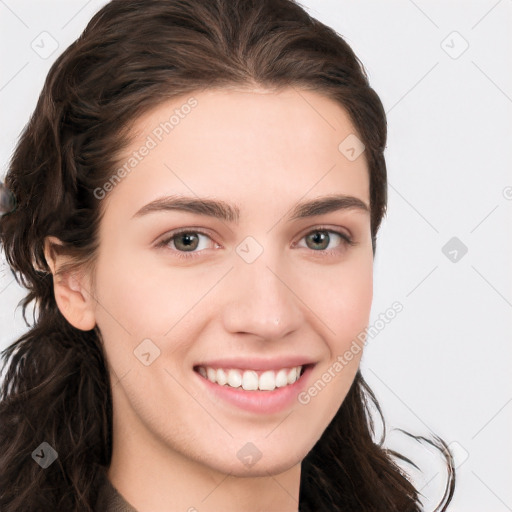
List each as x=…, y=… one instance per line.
x=319, y=240
x=186, y=242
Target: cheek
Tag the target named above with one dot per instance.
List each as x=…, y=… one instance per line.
x=354, y=302
x=344, y=301
x=140, y=311
x=343, y=304
x=144, y=300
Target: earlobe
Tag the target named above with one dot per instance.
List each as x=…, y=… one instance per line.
x=72, y=294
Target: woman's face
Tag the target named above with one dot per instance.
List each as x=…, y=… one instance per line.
x=259, y=282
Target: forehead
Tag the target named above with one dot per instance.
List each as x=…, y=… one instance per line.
x=240, y=143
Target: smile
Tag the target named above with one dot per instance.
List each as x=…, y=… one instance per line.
x=251, y=380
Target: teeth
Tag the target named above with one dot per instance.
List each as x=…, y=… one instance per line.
x=221, y=376
x=294, y=374
x=281, y=378
x=249, y=380
x=234, y=378
x=211, y=374
x=267, y=381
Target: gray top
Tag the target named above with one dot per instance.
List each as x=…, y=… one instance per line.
x=109, y=499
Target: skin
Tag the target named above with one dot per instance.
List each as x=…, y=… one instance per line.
x=174, y=446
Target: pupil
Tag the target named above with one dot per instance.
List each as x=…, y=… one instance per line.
x=187, y=240
x=318, y=236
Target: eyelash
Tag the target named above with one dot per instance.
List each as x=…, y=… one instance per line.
x=346, y=240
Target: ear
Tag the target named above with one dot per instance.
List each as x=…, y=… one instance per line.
x=72, y=290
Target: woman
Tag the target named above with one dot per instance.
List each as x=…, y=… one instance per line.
x=198, y=195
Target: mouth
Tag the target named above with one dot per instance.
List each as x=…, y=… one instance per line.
x=252, y=380
x=261, y=392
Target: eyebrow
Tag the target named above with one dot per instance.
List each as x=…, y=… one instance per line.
x=231, y=213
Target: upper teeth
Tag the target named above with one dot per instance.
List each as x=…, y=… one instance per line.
x=249, y=380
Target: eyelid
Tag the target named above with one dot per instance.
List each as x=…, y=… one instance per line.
x=167, y=238
x=342, y=232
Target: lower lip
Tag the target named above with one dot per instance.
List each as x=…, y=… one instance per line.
x=261, y=402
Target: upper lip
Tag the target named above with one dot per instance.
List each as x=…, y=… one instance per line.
x=258, y=363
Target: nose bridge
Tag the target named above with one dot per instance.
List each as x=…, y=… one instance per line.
x=261, y=302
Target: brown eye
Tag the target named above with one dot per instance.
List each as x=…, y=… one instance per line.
x=320, y=239
x=186, y=241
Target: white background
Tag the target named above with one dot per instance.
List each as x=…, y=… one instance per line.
x=444, y=363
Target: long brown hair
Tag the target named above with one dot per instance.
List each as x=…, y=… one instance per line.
x=133, y=55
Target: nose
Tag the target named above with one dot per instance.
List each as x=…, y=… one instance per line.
x=261, y=300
